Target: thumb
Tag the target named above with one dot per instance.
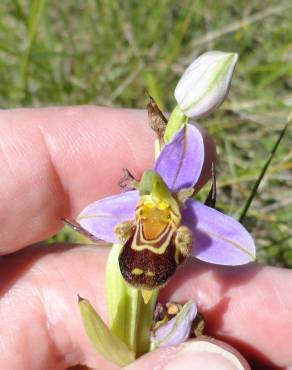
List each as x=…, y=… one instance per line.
x=195, y=354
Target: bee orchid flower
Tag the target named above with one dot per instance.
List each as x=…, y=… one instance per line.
x=160, y=223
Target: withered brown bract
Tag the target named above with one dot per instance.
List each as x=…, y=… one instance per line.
x=157, y=121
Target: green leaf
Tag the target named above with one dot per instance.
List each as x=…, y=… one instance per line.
x=106, y=343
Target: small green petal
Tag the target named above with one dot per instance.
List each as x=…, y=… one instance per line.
x=106, y=343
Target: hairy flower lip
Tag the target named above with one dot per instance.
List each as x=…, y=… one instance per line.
x=218, y=238
x=205, y=83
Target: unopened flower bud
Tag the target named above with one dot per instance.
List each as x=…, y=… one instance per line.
x=205, y=83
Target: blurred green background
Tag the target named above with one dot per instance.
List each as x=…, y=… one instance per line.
x=111, y=52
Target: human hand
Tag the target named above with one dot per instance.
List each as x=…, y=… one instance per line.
x=55, y=161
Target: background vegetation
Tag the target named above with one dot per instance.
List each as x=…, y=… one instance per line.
x=110, y=52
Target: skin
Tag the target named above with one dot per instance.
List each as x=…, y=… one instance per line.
x=55, y=161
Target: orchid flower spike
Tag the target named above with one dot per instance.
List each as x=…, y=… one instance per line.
x=157, y=230
x=205, y=83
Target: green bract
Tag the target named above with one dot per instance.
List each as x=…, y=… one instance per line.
x=103, y=340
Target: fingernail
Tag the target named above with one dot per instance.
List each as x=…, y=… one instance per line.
x=200, y=354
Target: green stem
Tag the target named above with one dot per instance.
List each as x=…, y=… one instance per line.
x=176, y=120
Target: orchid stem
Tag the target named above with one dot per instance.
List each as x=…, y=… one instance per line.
x=176, y=120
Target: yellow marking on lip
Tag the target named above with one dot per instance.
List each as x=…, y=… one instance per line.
x=149, y=204
x=162, y=206
x=137, y=271
x=155, y=221
x=148, y=244
x=150, y=273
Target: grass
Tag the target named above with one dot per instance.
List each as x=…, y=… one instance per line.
x=111, y=52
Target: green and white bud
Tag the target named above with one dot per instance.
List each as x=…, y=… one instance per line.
x=205, y=83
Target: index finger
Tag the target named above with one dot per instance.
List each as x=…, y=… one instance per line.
x=54, y=161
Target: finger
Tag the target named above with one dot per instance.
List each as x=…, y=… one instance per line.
x=249, y=307
x=55, y=161
x=40, y=319
x=195, y=354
